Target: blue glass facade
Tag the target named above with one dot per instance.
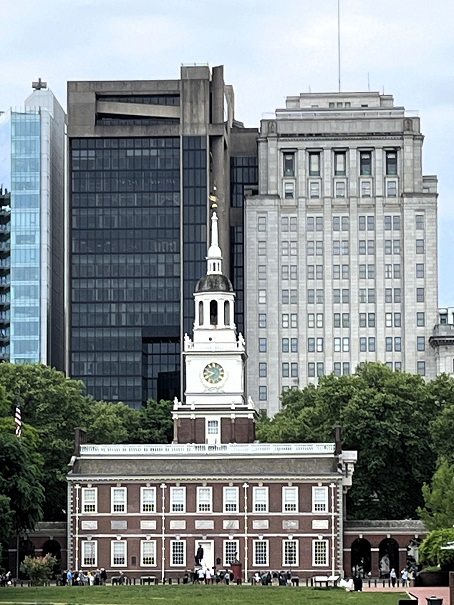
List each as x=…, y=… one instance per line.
x=25, y=236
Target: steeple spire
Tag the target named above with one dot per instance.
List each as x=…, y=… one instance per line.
x=214, y=258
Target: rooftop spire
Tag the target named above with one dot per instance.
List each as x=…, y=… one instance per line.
x=214, y=258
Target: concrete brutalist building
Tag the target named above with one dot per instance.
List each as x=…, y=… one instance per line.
x=341, y=255
x=145, y=159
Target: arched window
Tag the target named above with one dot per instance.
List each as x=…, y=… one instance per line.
x=213, y=313
x=226, y=313
x=200, y=313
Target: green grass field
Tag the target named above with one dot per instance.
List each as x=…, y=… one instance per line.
x=193, y=595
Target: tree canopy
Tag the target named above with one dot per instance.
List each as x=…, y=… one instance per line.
x=33, y=469
x=384, y=415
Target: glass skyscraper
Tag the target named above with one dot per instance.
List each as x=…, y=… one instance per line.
x=144, y=158
x=32, y=230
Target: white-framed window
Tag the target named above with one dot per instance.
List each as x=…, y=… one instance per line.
x=89, y=553
x=118, y=553
x=289, y=190
x=261, y=553
x=340, y=164
x=290, y=553
x=231, y=549
x=290, y=499
x=261, y=223
x=366, y=188
x=212, y=429
x=148, y=553
x=314, y=163
x=365, y=163
x=320, y=553
x=178, y=553
x=178, y=499
x=289, y=163
x=260, y=499
x=148, y=499
x=391, y=188
x=340, y=189
x=204, y=499
x=231, y=499
x=319, y=499
x=118, y=499
x=262, y=297
x=314, y=189
x=89, y=500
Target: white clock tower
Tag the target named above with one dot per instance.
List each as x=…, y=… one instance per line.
x=215, y=408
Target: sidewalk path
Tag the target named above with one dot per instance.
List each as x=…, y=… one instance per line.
x=421, y=593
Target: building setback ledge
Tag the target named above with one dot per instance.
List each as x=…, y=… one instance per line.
x=191, y=450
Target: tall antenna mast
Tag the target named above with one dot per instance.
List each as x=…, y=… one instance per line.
x=338, y=45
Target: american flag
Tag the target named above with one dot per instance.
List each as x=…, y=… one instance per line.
x=18, y=420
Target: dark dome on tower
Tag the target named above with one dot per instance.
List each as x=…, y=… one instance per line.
x=214, y=283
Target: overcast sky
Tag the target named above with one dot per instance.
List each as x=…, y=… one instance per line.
x=270, y=50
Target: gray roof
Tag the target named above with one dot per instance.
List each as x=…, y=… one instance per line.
x=214, y=283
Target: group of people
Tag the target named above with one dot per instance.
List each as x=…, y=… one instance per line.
x=6, y=579
x=82, y=578
x=208, y=575
x=404, y=576
x=276, y=578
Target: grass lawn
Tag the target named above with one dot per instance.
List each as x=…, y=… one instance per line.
x=193, y=595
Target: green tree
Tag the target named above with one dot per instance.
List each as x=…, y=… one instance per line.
x=54, y=405
x=155, y=424
x=442, y=430
x=384, y=415
x=106, y=423
x=38, y=569
x=386, y=421
x=21, y=475
x=432, y=550
x=438, y=509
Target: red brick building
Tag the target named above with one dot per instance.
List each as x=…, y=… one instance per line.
x=215, y=493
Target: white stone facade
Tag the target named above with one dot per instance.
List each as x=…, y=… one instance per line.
x=341, y=244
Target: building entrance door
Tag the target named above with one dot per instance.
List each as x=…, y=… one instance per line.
x=207, y=559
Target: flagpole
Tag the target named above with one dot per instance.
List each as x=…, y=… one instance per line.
x=338, y=45
x=18, y=418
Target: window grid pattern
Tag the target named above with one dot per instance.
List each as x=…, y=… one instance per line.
x=119, y=552
x=231, y=500
x=231, y=549
x=320, y=552
x=261, y=552
x=148, y=552
x=178, y=551
x=119, y=499
x=204, y=499
x=148, y=498
x=290, y=553
x=89, y=499
x=89, y=550
x=260, y=499
x=178, y=499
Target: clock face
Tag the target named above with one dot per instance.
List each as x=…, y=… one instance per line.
x=213, y=373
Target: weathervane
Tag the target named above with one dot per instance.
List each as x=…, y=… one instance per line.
x=39, y=84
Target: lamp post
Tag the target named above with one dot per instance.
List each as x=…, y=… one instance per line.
x=77, y=487
x=333, y=534
x=290, y=555
x=245, y=487
x=163, y=487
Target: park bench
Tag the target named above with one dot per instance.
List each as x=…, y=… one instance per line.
x=325, y=580
x=148, y=580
